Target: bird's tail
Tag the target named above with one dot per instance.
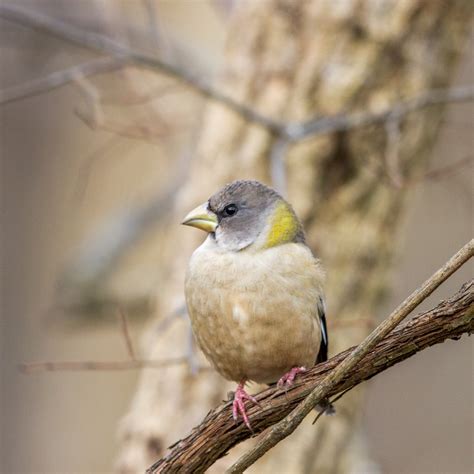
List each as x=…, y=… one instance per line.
x=326, y=407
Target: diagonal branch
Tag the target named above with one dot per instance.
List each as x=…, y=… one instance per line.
x=58, y=79
x=286, y=426
x=284, y=411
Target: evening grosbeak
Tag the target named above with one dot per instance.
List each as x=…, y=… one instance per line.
x=254, y=290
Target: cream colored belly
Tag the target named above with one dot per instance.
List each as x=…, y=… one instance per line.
x=255, y=318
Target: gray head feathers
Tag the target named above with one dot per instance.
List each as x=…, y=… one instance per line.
x=244, y=210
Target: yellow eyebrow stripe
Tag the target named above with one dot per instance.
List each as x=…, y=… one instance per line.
x=284, y=226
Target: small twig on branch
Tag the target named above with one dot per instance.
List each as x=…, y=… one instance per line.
x=137, y=98
x=151, y=133
x=93, y=100
x=444, y=171
x=218, y=433
x=286, y=426
x=126, y=334
x=291, y=132
x=58, y=79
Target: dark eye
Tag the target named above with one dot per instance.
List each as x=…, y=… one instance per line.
x=230, y=210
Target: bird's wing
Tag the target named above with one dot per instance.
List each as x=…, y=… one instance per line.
x=323, y=348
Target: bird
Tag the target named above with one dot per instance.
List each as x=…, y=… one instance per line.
x=254, y=290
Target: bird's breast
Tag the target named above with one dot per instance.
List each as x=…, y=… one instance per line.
x=254, y=315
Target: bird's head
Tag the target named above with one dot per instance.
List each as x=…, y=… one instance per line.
x=247, y=214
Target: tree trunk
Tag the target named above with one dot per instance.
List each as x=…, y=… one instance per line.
x=293, y=61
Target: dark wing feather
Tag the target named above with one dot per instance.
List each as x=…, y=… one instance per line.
x=323, y=348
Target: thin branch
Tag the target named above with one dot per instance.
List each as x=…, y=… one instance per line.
x=345, y=122
x=137, y=98
x=126, y=334
x=443, y=171
x=58, y=79
x=291, y=132
x=218, y=433
x=151, y=133
x=93, y=365
x=92, y=98
x=286, y=426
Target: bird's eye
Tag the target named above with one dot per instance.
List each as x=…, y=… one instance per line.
x=230, y=210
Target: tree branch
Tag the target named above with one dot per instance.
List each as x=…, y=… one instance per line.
x=96, y=365
x=58, y=79
x=98, y=42
x=323, y=390
x=398, y=111
x=289, y=131
x=218, y=432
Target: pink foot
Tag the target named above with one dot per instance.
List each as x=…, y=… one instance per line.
x=288, y=379
x=238, y=406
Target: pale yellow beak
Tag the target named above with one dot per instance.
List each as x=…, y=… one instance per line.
x=201, y=218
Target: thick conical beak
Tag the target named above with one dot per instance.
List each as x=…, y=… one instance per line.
x=201, y=218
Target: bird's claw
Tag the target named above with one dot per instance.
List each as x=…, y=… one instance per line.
x=288, y=379
x=238, y=405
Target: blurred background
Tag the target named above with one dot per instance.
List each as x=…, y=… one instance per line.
x=103, y=154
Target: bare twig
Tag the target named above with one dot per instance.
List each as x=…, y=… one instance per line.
x=93, y=100
x=141, y=98
x=150, y=133
x=346, y=122
x=126, y=334
x=218, y=433
x=444, y=171
x=58, y=79
x=93, y=365
x=286, y=426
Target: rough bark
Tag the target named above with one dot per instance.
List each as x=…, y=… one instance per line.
x=293, y=61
